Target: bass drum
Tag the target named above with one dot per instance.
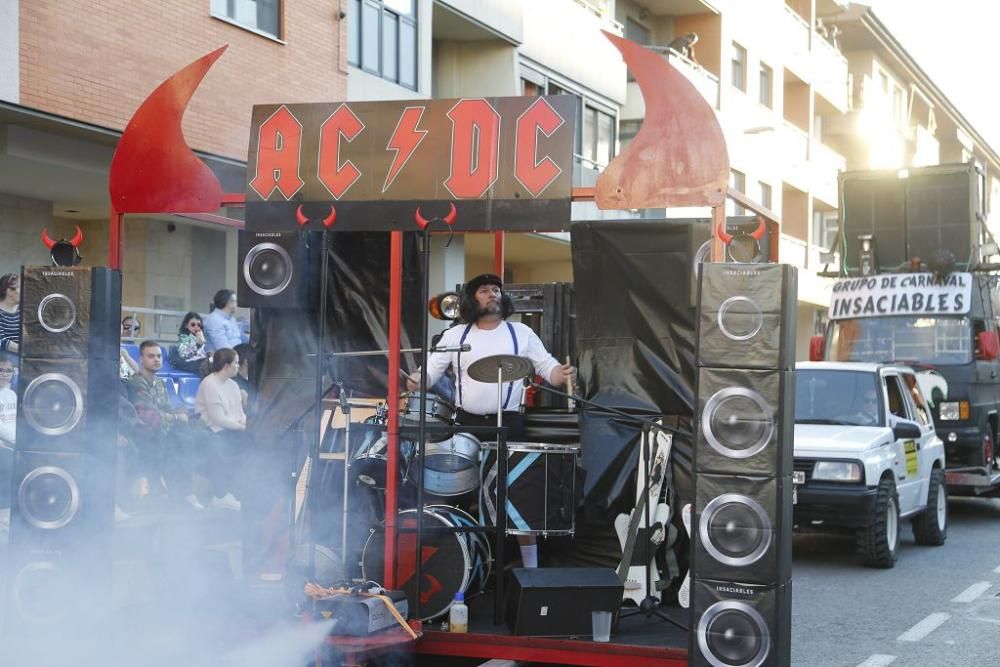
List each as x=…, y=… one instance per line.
x=452, y=562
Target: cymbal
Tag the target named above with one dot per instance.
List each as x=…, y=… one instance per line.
x=511, y=368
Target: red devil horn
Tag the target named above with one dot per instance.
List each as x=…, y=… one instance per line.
x=77, y=238
x=46, y=239
x=300, y=217
x=452, y=214
x=725, y=236
x=330, y=219
x=758, y=233
x=422, y=222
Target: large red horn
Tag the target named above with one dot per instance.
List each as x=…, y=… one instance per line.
x=330, y=219
x=300, y=217
x=723, y=235
x=452, y=214
x=758, y=233
x=46, y=239
x=422, y=222
x=77, y=238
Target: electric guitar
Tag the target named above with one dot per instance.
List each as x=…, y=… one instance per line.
x=632, y=569
x=684, y=594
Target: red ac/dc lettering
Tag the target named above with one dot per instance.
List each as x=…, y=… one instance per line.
x=279, y=144
x=404, y=141
x=475, y=148
x=336, y=176
x=534, y=174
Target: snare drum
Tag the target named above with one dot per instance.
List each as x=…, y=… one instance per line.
x=452, y=465
x=438, y=411
x=541, y=488
x=452, y=562
x=369, y=463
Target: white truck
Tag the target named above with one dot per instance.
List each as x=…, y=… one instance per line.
x=866, y=456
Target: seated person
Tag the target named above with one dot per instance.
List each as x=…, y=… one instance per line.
x=867, y=413
x=190, y=353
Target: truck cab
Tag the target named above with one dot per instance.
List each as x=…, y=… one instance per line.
x=866, y=456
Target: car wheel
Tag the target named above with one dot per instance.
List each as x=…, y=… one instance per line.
x=878, y=542
x=930, y=527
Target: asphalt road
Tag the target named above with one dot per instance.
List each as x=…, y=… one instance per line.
x=940, y=606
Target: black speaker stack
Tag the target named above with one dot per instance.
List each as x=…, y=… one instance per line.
x=742, y=515
x=62, y=510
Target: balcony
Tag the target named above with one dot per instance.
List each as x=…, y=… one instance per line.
x=798, y=253
x=706, y=83
x=830, y=77
x=793, y=33
x=825, y=164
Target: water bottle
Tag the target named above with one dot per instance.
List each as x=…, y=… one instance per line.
x=458, y=615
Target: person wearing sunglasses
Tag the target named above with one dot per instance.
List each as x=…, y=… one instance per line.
x=131, y=327
x=189, y=354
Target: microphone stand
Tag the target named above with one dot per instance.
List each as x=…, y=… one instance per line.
x=649, y=605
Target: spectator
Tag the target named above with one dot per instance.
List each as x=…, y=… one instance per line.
x=10, y=313
x=221, y=328
x=8, y=421
x=126, y=364
x=190, y=353
x=219, y=404
x=242, y=379
x=131, y=327
x=165, y=448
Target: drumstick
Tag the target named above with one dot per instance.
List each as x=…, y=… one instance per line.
x=570, y=389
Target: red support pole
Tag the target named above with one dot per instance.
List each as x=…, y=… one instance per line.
x=498, y=253
x=117, y=238
x=392, y=465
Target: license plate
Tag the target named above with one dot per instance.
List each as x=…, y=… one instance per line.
x=798, y=477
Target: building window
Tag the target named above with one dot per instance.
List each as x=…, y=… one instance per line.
x=598, y=136
x=825, y=227
x=765, y=195
x=263, y=16
x=382, y=39
x=739, y=67
x=738, y=182
x=766, y=90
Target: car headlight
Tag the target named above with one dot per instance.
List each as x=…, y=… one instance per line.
x=837, y=471
x=953, y=410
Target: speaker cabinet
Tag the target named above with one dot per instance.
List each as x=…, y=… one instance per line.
x=557, y=601
x=940, y=213
x=746, y=421
x=741, y=625
x=747, y=316
x=62, y=512
x=277, y=269
x=741, y=522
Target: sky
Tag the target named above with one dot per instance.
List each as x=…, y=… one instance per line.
x=954, y=43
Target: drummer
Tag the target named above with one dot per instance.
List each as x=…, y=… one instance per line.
x=484, y=310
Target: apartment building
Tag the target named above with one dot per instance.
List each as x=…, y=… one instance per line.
x=72, y=74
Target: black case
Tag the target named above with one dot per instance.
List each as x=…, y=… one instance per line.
x=557, y=601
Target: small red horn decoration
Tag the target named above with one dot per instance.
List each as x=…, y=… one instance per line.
x=77, y=238
x=452, y=214
x=422, y=222
x=330, y=219
x=758, y=233
x=723, y=235
x=300, y=217
x=46, y=239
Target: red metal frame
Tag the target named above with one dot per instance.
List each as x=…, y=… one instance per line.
x=154, y=171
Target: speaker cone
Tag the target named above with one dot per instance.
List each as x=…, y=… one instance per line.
x=733, y=634
x=56, y=313
x=53, y=404
x=39, y=593
x=267, y=269
x=48, y=497
x=735, y=529
x=737, y=422
x=739, y=318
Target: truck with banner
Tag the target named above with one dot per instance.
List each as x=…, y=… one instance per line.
x=946, y=327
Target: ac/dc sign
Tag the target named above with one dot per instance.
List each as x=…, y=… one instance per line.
x=492, y=151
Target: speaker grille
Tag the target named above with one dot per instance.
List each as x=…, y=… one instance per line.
x=53, y=404
x=735, y=529
x=48, y=497
x=733, y=634
x=268, y=269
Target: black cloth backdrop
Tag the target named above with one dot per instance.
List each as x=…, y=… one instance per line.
x=636, y=348
x=282, y=421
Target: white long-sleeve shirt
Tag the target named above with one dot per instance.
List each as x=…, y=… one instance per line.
x=220, y=404
x=8, y=415
x=480, y=398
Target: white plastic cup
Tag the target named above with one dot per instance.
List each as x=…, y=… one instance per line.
x=601, y=625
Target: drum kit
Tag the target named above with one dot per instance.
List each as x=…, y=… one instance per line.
x=461, y=470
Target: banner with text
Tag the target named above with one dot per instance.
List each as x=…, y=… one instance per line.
x=901, y=294
x=504, y=163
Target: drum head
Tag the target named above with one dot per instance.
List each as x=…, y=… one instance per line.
x=445, y=563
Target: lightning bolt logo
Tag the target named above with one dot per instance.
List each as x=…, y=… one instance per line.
x=404, y=141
